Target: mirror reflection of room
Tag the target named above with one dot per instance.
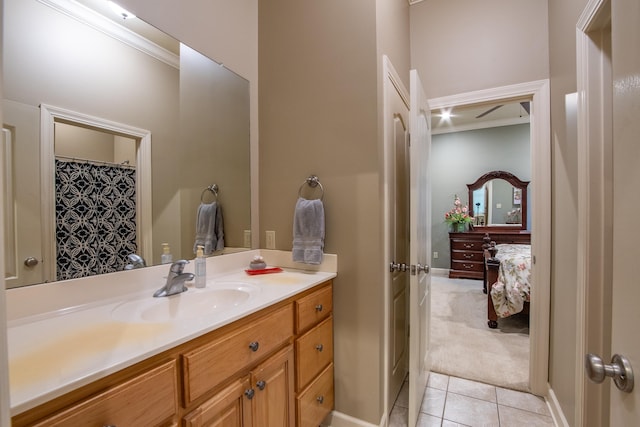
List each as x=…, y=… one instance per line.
x=195, y=110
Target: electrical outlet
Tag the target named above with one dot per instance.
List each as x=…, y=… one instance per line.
x=270, y=239
x=498, y=205
x=435, y=255
x=247, y=238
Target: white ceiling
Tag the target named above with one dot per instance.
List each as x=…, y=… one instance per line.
x=492, y=115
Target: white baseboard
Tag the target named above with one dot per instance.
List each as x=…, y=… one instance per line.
x=440, y=272
x=338, y=419
x=556, y=411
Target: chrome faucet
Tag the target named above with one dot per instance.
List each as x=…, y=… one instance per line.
x=175, y=280
x=135, y=261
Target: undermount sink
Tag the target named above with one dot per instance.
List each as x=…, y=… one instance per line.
x=194, y=303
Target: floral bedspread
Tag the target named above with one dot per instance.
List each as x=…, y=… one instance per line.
x=513, y=287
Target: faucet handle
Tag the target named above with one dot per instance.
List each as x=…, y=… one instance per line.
x=177, y=267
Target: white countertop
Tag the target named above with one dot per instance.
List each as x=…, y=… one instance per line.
x=74, y=337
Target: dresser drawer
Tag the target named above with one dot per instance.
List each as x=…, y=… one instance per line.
x=207, y=366
x=467, y=266
x=466, y=245
x=316, y=401
x=147, y=399
x=466, y=256
x=314, y=351
x=314, y=307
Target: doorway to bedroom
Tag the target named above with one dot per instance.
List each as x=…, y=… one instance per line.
x=510, y=139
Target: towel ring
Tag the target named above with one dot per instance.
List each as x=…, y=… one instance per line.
x=213, y=189
x=313, y=182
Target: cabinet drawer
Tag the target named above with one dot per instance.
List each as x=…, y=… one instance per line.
x=467, y=265
x=313, y=308
x=147, y=399
x=314, y=351
x=466, y=245
x=316, y=401
x=206, y=366
x=465, y=256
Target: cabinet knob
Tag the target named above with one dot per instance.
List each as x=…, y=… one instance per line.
x=320, y=399
x=319, y=307
x=319, y=347
x=254, y=346
x=261, y=384
x=249, y=393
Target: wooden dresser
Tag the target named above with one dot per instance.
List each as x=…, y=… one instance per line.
x=466, y=250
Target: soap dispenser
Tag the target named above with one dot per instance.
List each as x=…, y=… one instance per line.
x=201, y=268
x=166, y=257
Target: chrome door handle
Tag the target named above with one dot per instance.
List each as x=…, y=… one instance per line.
x=31, y=261
x=418, y=268
x=397, y=267
x=619, y=369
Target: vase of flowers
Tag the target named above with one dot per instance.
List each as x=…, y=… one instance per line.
x=458, y=218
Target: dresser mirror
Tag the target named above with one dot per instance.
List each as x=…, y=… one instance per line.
x=188, y=116
x=499, y=199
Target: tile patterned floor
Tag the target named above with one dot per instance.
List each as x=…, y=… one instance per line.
x=450, y=401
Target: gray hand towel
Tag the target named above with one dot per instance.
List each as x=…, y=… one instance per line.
x=308, y=231
x=209, y=228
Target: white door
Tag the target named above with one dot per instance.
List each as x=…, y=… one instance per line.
x=611, y=99
x=625, y=335
x=420, y=246
x=396, y=140
x=23, y=231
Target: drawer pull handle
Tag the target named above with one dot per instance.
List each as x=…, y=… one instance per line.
x=319, y=307
x=468, y=256
x=249, y=393
x=254, y=346
x=320, y=399
x=261, y=384
x=467, y=266
x=469, y=245
x=319, y=347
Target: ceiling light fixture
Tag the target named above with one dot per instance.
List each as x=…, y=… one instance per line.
x=120, y=11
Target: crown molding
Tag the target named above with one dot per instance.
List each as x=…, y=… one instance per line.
x=113, y=29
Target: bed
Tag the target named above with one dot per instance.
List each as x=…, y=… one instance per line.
x=507, y=280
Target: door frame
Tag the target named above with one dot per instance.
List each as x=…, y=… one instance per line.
x=540, y=135
x=595, y=196
x=48, y=116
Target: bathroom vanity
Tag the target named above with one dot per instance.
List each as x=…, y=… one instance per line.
x=265, y=359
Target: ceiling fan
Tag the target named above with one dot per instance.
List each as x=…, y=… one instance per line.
x=525, y=105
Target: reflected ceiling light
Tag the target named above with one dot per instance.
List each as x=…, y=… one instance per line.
x=120, y=11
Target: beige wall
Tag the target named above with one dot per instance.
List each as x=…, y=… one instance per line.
x=226, y=31
x=4, y=364
x=318, y=115
x=464, y=45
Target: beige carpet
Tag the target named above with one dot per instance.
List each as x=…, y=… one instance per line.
x=462, y=344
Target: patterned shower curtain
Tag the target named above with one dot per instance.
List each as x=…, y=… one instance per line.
x=95, y=218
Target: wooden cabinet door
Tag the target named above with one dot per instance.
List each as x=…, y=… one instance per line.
x=231, y=407
x=274, y=398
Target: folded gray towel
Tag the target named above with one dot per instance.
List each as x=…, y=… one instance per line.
x=209, y=228
x=308, y=231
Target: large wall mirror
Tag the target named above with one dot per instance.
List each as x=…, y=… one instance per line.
x=499, y=199
x=111, y=110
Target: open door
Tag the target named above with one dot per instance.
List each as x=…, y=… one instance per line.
x=608, y=136
x=420, y=246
